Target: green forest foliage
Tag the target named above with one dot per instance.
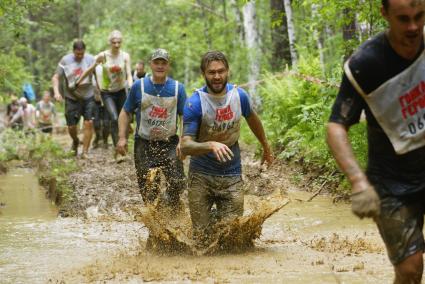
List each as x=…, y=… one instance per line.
x=37, y=33
x=296, y=126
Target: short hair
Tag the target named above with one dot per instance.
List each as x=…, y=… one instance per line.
x=386, y=3
x=211, y=56
x=78, y=44
x=115, y=34
x=141, y=62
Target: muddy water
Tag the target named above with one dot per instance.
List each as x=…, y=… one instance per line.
x=305, y=242
x=35, y=243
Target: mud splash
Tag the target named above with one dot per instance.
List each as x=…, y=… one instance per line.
x=296, y=245
x=170, y=231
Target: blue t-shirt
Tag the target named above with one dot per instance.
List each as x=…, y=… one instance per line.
x=132, y=103
x=207, y=163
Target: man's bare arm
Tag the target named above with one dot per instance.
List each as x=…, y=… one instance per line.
x=123, y=122
x=128, y=71
x=86, y=73
x=256, y=127
x=190, y=147
x=337, y=139
x=364, y=199
x=55, y=84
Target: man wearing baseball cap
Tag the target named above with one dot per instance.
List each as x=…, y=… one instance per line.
x=159, y=101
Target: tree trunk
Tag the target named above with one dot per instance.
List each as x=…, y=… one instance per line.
x=349, y=32
x=239, y=20
x=279, y=35
x=251, y=40
x=319, y=40
x=77, y=18
x=206, y=25
x=291, y=32
x=224, y=10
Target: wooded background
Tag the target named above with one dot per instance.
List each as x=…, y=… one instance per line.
x=308, y=39
x=259, y=37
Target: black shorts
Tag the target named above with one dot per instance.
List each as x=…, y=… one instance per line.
x=74, y=109
x=400, y=225
x=151, y=154
x=45, y=128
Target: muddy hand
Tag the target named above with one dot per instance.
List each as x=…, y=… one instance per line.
x=365, y=203
x=221, y=151
x=179, y=153
x=121, y=147
x=58, y=97
x=100, y=58
x=267, y=157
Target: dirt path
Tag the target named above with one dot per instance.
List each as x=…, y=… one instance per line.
x=305, y=242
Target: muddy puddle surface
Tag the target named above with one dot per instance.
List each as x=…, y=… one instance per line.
x=35, y=243
x=303, y=242
x=104, y=240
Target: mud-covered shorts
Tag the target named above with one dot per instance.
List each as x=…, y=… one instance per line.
x=74, y=109
x=400, y=225
x=162, y=154
x=225, y=192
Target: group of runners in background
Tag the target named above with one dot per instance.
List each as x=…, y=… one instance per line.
x=22, y=115
x=103, y=89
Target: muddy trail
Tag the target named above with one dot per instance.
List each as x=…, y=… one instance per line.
x=315, y=241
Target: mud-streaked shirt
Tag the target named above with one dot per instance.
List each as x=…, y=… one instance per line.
x=192, y=120
x=221, y=117
x=373, y=64
x=114, y=76
x=134, y=99
x=70, y=71
x=158, y=115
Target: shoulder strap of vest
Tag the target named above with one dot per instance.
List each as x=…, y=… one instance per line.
x=352, y=80
x=142, y=86
x=176, y=91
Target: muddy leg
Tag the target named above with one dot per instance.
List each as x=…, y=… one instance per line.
x=73, y=132
x=88, y=132
x=231, y=198
x=176, y=183
x=142, y=161
x=409, y=271
x=200, y=203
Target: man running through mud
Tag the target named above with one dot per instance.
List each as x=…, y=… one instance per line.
x=79, y=98
x=158, y=102
x=212, y=119
x=385, y=78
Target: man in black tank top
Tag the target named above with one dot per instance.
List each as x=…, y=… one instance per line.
x=392, y=189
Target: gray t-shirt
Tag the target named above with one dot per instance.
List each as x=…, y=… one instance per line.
x=70, y=70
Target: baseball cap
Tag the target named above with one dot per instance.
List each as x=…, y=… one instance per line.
x=160, y=53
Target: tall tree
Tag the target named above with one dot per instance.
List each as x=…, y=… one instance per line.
x=318, y=37
x=291, y=32
x=239, y=20
x=251, y=39
x=279, y=35
x=206, y=24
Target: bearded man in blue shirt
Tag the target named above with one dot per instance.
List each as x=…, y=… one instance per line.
x=212, y=119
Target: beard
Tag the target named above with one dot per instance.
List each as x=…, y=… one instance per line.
x=216, y=90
